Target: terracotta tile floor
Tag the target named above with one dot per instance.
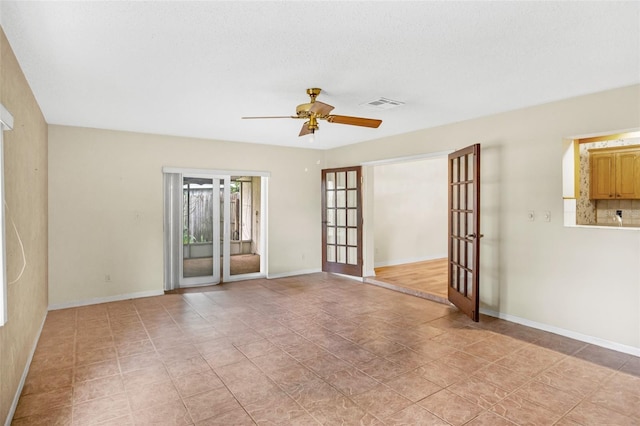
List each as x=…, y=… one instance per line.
x=311, y=350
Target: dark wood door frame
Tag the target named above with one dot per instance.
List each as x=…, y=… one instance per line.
x=464, y=230
x=342, y=220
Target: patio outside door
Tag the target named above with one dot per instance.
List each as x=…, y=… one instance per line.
x=201, y=231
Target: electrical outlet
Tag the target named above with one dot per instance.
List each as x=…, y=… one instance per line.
x=531, y=215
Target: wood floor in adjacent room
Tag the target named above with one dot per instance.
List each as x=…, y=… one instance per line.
x=429, y=276
x=310, y=350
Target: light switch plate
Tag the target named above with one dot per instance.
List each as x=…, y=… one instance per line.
x=531, y=215
x=547, y=216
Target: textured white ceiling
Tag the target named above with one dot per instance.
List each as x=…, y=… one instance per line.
x=194, y=68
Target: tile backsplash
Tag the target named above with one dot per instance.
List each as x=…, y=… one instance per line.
x=606, y=211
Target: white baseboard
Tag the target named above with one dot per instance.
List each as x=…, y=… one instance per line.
x=293, y=273
x=107, y=299
x=631, y=350
x=351, y=277
x=409, y=260
x=16, y=397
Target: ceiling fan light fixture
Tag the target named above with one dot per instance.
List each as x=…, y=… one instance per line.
x=314, y=111
x=312, y=137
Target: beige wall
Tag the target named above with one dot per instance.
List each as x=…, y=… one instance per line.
x=25, y=162
x=541, y=272
x=410, y=211
x=106, y=203
x=585, y=281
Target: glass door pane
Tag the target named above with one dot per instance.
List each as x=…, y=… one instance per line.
x=244, y=256
x=200, y=211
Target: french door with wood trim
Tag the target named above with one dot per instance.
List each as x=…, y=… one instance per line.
x=342, y=220
x=464, y=230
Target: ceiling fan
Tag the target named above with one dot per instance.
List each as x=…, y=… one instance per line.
x=316, y=110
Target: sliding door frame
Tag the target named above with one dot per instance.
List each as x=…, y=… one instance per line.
x=214, y=278
x=225, y=176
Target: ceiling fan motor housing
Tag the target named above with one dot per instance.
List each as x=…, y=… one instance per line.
x=304, y=110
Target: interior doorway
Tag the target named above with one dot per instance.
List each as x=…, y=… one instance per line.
x=410, y=226
x=427, y=278
x=214, y=227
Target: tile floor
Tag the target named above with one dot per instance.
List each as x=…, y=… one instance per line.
x=311, y=350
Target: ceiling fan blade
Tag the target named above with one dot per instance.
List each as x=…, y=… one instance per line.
x=321, y=108
x=305, y=129
x=270, y=116
x=354, y=121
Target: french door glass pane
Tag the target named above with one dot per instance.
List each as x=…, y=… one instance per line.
x=331, y=253
x=331, y=199
x=463, y=168
x=454, y=250
x=341, y=219
x=352, y=256
x=342, y=236
x=341, y=200
x=352, y=217
x=331, y=217
x=352, y=179
x=352, y=198
x=341, y=180
x=331, y=181
x=454, y=223
x=454, y=170
x=331, y=235
x=454, y=197
x=342, y=254
x=352, y=237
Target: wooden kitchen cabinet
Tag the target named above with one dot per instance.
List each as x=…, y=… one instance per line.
x=615, y=173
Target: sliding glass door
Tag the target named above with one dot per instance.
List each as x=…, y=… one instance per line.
x=214, y=227
x=200, y=254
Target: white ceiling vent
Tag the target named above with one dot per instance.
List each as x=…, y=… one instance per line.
x=382, y=103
